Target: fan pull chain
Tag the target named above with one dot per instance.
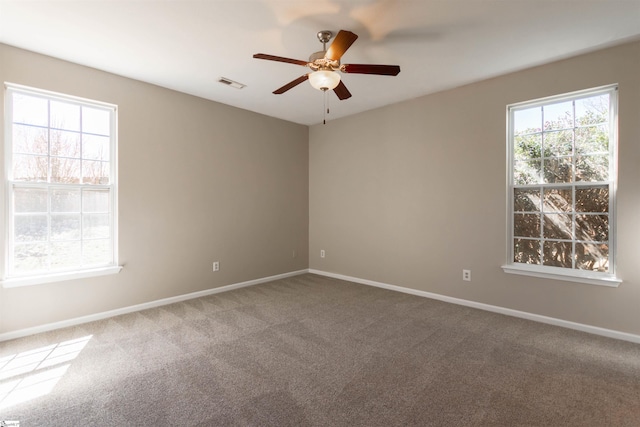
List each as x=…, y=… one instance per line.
x=326, y=107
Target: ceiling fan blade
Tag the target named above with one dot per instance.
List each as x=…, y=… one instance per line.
x=342, y=91
x=291, y=84
x=280, y=59
x=384, y=70
x=340, y=44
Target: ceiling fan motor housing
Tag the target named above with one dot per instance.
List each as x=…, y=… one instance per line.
x=317, y=61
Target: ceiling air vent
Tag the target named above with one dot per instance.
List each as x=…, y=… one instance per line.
x=231, y=83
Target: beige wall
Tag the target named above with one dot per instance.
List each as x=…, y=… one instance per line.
x=407, y=195
x=413, y=193
x=199, y=182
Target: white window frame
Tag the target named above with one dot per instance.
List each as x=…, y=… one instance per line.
x=559, y=273
x=9, y=280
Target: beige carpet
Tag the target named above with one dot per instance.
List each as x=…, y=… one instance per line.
x=314, y=351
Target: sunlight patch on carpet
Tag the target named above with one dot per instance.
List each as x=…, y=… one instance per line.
x=34, y=373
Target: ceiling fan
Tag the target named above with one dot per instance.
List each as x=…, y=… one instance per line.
x=325, y=65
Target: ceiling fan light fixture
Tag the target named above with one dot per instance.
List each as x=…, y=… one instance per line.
x=324, y=79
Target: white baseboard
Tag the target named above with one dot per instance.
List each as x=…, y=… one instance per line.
x=138, y=307
x=493, y=308
x=487, y=307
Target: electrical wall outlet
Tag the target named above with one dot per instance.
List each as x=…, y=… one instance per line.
x=466, y=275
x=321, y=253
x=294, y=254
x=216, y=266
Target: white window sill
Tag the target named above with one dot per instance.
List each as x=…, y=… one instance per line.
x=571, y=275
x=15, y=282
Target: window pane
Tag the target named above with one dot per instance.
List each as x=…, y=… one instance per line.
x=527, y=121
x=63, y=200
x=592, y=139
x=558, y=226
x=557, y=254
x=97, y=252
x=558, y=116
x=592, y=110
x=65, y=115
x=593, y=228
x=30, y=257
x=30, y=228
x=592, y=168
x=96, y=226
x=558, y=169
x=528, y=172
x=526, y=200
x=30, y=110
x=65, y=227
x=526, y=225
x=593, y=257
x=527, y=147
x=526, y=251
x=95, y=147
x=592, y=199
x=66, y=255
x=65, y=170
x=65, y=144
x=558, y=143
x=29, y=200
x=95, y=172
x=96, y=121
x=30, y=140
x=30, y=168
x=558, y=200
x=95, y=201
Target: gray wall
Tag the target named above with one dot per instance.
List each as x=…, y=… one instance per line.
x=413, y=193
x=199, y=182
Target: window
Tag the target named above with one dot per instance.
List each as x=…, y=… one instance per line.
x=561, y=183
x=60, y=176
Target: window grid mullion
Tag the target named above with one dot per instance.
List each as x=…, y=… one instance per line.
x=49, y=211
x=82, y=260
x=541, y=213
x=541, y=181
x=81, y=146
x=49, y=176
x=574, y=217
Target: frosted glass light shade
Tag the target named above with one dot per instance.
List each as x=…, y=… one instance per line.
x=324, y=80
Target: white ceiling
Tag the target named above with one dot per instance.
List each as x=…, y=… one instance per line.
x=188, y=45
